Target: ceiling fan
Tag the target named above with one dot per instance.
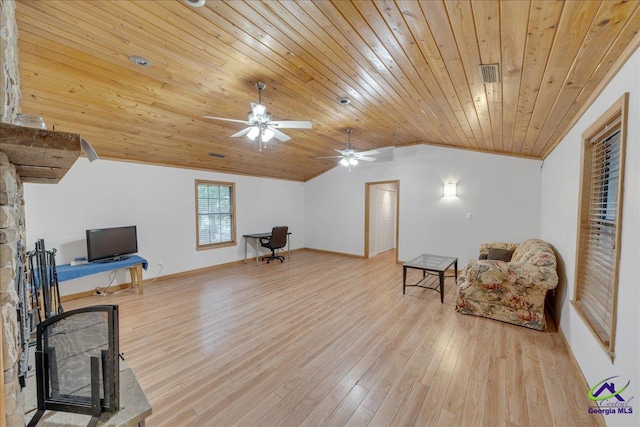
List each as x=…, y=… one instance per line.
x=350, y=157
x=260, y=123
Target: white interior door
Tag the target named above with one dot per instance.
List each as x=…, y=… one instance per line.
x=385, y=219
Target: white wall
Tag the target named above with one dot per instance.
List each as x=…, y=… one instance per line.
x=502, y=194
x=560, y=192
x=160, y=201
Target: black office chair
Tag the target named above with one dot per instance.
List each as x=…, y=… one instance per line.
x=278, y=240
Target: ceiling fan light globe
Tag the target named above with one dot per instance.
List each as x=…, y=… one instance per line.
x=267, y=134
x=344, y=162
x=259, y=110
x=253, y=133
x=353, y=161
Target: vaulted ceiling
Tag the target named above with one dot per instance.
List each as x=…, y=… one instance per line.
x=409, y=68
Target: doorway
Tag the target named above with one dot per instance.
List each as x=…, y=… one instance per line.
x=381, y=220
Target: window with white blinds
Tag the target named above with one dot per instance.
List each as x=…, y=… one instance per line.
x=595, y=292
x=215, y=214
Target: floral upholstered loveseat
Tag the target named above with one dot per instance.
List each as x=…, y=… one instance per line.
x=512, y=291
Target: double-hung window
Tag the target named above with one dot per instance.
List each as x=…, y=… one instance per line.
x=599, y=224
x=215, y=214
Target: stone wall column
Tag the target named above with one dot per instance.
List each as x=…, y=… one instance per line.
x=10, y=95
x=11, y=232
x=10, y=189
x=11, y=223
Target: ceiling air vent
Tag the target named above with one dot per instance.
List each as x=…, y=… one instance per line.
x=489, y=73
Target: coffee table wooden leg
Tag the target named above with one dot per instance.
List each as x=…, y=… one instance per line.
x=441, y=274
x=404, y=279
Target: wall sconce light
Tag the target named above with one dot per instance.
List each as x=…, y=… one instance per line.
x=450, y=190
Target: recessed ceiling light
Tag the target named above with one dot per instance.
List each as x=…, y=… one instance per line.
x=344, y=101
x=194, y=3
x=139, y=60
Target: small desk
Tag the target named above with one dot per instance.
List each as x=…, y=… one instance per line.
x=258, y=236
x=425, y=262
x=135, y=264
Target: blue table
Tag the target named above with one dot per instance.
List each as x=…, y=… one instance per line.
x=135, y=264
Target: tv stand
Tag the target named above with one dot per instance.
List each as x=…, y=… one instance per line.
x=134, y=263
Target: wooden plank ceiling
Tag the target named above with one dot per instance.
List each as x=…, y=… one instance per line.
x=408, y=67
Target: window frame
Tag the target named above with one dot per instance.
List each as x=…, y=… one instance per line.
x=613, y=121
x=232, y=187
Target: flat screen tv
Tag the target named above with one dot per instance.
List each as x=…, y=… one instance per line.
x=111, y=244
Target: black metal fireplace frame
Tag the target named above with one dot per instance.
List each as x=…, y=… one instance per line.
x=95, y=405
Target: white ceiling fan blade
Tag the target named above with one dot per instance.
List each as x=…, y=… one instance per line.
x=280, y=136
x=290, y=124
x=227, y=120
x=365, y=158
x=330, y=157
x=366, y=153
x=343, y=152
x=242, y=132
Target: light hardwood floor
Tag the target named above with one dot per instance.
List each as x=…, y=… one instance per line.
x=330, y=340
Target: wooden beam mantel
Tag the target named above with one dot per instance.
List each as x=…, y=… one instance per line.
x=40, y=156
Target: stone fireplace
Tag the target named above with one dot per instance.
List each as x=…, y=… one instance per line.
x=11, y=224
x=26, y=155
x=11, y=232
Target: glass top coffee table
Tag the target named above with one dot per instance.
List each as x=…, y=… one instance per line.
x=433, y=264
